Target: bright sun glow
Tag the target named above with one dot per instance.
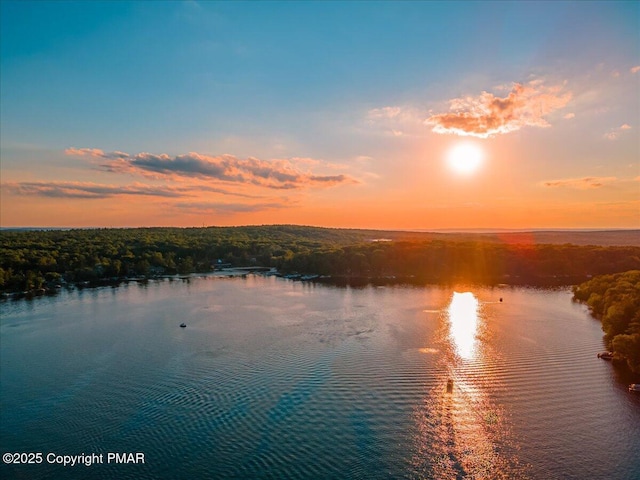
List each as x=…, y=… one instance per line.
x=465, y=158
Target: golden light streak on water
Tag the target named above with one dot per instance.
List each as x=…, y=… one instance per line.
x=463, y=319
x=465, y=433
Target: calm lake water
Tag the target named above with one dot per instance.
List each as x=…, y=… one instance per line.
x=280, y=379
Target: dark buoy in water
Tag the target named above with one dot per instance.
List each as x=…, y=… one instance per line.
x=501, y=299
x=183, y=325
x=449, y=386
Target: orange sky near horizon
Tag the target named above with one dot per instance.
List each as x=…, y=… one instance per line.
x=425, y=193
x=211, y=127
x=497, y=195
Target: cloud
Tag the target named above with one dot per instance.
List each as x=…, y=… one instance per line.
x=569, y=116
x=580, y=183
x=229, y=208
x=275, y=174
x=384, y=112
x=395, y=121
x=488, y=115
x=92, y=152
x=615, y=133
x=222, y=191
x=90, y=190
x=363, y=159
x=635, y=69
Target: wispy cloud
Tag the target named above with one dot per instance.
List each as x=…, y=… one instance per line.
x=383, y=112
x=222, y=191
x=615, y=133
x=229, y=208
x=88, y=190
x=584, y=183
x=275, y=174
x=635, y=69
x=397, y=121
x=487, y=115
x=95, y=153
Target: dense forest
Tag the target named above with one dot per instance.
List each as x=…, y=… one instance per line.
x=33, y=260
x=615, y=300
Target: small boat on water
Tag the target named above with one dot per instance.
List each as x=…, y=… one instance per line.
x=634, y=387
x=183, y=325
x=606, y=355
x=449, y=386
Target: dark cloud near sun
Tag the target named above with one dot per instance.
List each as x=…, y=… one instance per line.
x=273, y=174
x=487, y=114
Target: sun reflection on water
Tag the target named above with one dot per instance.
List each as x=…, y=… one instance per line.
x=463, y=321
x=462, y=431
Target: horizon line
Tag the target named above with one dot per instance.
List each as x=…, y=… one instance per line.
x=408, y=230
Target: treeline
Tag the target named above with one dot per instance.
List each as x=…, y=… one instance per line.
x=36, y=259
x=615, y=300
x=438, y=261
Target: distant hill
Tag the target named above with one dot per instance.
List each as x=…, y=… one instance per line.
x=575, y=237
x=552, y=237
x=348, y=235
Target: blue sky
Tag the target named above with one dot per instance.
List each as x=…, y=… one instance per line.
x=307, y=80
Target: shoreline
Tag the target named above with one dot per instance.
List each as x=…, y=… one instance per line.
x=355, y=281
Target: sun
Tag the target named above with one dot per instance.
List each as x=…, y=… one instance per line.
x=465, y=158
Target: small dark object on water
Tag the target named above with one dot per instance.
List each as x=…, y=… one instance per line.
x=182, y=325
x=634, y=387
x=500, y=298
x=605, y=355
x=449, y=386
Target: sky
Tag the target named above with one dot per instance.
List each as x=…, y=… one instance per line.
x=383, y=115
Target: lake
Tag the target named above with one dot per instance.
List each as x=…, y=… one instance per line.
x=274, y=378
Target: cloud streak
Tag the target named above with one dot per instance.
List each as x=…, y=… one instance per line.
x=273, y=174
x=584, y=183
x=225, y=208
x=487, y=115
x=384, y=112
x=88, y=190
